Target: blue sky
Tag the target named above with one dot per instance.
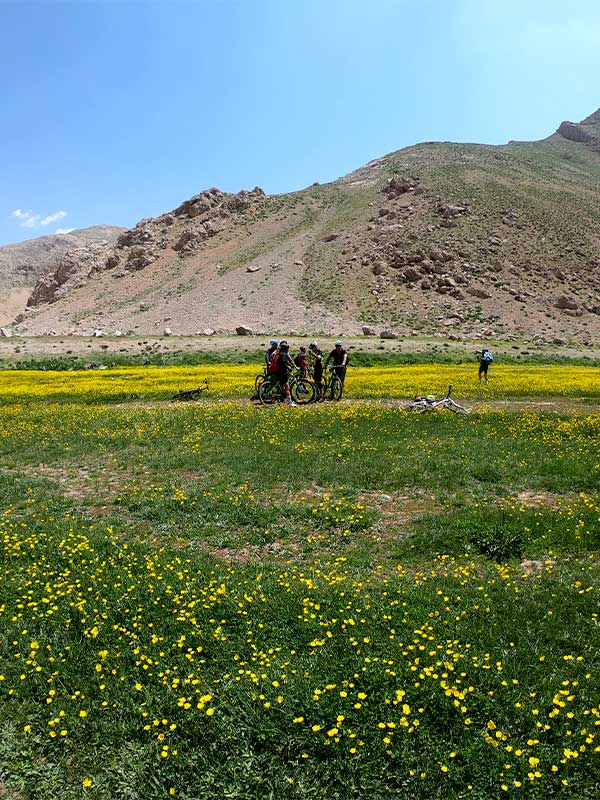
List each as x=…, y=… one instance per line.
x=113, y=111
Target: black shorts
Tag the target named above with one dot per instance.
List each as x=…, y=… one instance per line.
x=483, y=367
x=281, y=376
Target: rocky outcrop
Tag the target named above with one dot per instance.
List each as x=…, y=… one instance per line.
x=191, y=239
x=23, y=263
x=73, y=269
x=585, y=132
x=564, y=302
x=574, y=132
x=214, y=200
x=397, y=186
x=183, y=230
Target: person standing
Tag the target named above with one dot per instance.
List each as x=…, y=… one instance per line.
x=485, y=359
x=302, y=362
x=274, y=343
x=317, y=359
x=339, y=356
x=284, y=364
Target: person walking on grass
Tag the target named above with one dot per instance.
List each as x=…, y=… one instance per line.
x=485, y=358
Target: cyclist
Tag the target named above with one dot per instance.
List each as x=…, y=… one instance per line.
x=302, y=362
x=339, y=356
x=273, y=344
x=284, y=364
x=317, y=359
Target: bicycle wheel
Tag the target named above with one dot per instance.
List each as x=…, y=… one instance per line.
x=337, y=388
x=259, y=379
x=269, y=392
x=455, y=407
x=303, y=391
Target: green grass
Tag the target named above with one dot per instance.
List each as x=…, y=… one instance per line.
x=428, y=354
x=424, y=589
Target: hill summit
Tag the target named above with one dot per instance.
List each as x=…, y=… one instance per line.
x=460, y=239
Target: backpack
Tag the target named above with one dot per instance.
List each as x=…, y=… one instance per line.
x=487, y=357
x=274, y=362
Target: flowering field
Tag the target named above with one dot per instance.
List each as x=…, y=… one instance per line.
x=129, y=383
x=214, y=600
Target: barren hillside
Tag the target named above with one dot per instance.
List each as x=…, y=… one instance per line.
x=22, y=264
x=464, y=238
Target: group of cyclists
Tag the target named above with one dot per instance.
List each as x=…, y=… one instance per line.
x=280, y=364
x=309, y=367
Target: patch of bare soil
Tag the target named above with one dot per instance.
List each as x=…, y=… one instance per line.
x=274, y=551
x=95, y=487
x=539, y=499
x=535, y=567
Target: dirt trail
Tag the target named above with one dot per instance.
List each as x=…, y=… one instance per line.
x=557, y=405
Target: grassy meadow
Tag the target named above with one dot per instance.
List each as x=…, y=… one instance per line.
x=339, y=601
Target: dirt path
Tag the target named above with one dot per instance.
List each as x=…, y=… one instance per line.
x=556, y=405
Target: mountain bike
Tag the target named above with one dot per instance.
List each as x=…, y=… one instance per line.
x=302, y=391
x=431, y=403
x=191, y=394
x=333, y=386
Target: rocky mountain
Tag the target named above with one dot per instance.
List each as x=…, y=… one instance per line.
x=585, y=132
x=22, y=264
x=466, y=239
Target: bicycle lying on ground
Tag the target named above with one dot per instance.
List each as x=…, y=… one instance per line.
x=430, y=403
x=302, y=390
x=191, y=394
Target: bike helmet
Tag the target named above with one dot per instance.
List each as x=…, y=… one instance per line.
x=338, y=342
x=274, y=341
x=284, y=346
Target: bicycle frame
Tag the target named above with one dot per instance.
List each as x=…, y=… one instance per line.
x=423, y=404
x=191, y=394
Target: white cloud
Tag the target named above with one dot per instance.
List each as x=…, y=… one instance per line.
x=30, y=221
x=53, y=217
x=64, y=230
x=27, y=219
